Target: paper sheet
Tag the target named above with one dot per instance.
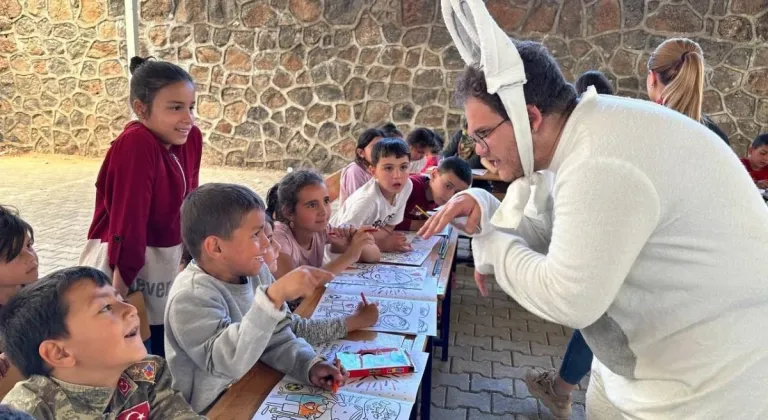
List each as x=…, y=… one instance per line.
x=382, y=340
x=291, y=400
x=389, y=397
x=421, y=250
x=400, y=387
x=395, y=315
x=385, y=281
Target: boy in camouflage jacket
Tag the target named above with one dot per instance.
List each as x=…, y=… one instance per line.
x=78, y=343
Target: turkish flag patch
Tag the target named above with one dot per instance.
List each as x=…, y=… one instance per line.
x=123, y=386
x=137, y=412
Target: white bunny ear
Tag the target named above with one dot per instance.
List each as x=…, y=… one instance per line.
x=462, y=33
x=480, y=40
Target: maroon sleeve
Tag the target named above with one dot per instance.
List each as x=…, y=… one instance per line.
x=195, y=157
x=128, y=196
x=418, y=195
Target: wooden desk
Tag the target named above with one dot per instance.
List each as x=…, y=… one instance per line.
x=498, y=185
x=243, y=399
x=488, y=176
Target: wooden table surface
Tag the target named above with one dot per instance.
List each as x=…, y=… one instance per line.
x=243, y=399
x=488, y=176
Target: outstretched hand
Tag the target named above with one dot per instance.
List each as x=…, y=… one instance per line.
x=463, y=205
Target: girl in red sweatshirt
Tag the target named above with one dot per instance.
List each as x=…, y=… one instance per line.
x=135, y=235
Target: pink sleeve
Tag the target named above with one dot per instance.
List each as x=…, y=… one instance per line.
x=352, y=178
x=284, y=237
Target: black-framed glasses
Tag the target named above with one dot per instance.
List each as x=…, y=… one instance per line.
x=479, y=137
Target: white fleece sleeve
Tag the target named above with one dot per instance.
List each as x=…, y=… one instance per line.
x=605, y=211
x=535, y=226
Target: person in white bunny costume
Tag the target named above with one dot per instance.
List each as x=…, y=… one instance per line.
x=652, y=239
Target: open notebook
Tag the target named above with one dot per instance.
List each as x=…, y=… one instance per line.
x=397, y=315
x=407, y=297
x=385, y=281
x=374, y=397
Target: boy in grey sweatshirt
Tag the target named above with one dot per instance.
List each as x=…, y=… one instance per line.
x=220, y=318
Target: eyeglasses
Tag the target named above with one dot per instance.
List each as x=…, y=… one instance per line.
x=479, y=137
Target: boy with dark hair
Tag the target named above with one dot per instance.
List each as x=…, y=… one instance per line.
x=381, y=201
x=221, y=316
x=429, y=192
x=421, y=141
x=78, y=343
x=756, y=161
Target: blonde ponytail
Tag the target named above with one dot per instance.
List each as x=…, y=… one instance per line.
x=679, y=65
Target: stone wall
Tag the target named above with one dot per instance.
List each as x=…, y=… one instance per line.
x=63, y=86
x=292, y=82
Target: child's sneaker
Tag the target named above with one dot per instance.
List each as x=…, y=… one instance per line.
x=541, y=385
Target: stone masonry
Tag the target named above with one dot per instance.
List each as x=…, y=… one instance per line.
x=293, y=82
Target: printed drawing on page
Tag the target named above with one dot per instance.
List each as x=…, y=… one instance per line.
x=395, y=315
x=385, y=281
x=421, y=250
x=290, y=400
x=400, y=387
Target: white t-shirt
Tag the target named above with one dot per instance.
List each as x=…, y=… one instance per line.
x=416, y=166
x=367, y=206
x=659, y=258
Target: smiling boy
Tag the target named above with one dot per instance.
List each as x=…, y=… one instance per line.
x=429, y=192
x=222, y=316
x=78, y=343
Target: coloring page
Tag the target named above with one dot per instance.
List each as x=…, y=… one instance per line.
x=385, y=281
x=382, y=341
x=395, y=315
x=401, y=387
x=421, y=250
x=291, y=400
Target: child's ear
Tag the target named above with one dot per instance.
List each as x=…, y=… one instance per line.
x=140, y=109
x=750, y=149
x=55, y=355
x=433, y=173
x=211, y=246
x=372, y=170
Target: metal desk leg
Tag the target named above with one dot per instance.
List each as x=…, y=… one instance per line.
x=445, y=320
x=426, y=384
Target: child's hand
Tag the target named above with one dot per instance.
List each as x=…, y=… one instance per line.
x=300, y=282
x=5, y=365
x=340, y=235
x=322, y=374
x=396, y=242
x=364, y=316
x=360, y=239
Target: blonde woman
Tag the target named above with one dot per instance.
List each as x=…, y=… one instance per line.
x=676, y=80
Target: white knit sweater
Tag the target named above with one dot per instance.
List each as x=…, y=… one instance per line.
x=655, y=244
